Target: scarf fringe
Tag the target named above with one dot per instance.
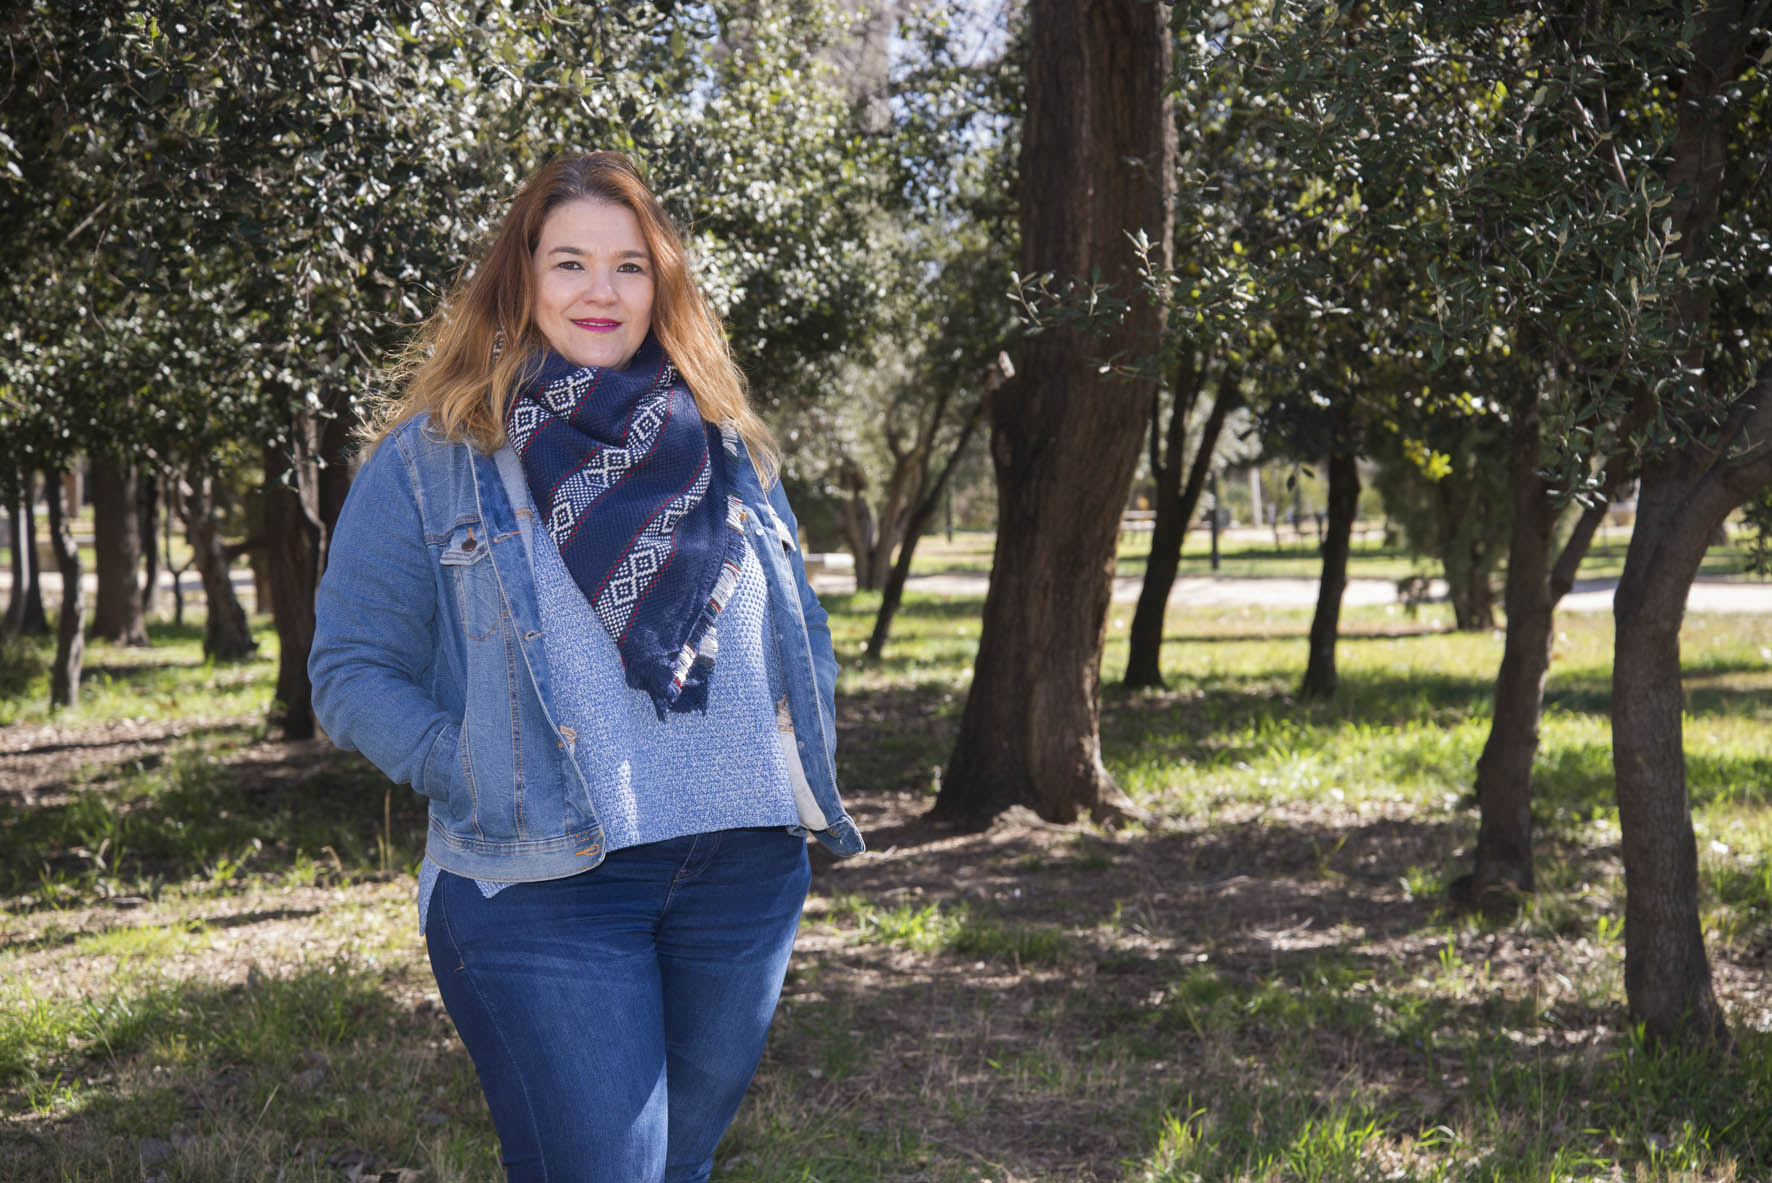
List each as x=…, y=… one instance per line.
x=700, y=651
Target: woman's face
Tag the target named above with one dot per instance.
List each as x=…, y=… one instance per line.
x=593, y=283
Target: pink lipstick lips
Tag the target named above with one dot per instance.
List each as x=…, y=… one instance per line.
x=598, y=326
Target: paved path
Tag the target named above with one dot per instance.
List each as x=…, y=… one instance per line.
x=1588, y=595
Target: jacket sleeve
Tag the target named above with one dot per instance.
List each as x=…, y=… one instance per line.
x=375, y=636
x=818, y=626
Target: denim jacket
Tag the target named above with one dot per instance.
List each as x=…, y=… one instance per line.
x=428, y=659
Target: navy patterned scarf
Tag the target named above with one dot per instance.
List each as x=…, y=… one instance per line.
x=633, y=488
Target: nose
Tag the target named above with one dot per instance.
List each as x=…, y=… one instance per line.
x=599, y=286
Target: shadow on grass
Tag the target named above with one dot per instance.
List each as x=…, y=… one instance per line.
x=1578, y=778
x=265, y=1079
x=227, y=920
x=1301, y=634
x=1201, y=709
x=134, y=762
x=1268, y=980
x=196, y=817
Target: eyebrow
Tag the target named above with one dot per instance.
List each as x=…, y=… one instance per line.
x=573, y=250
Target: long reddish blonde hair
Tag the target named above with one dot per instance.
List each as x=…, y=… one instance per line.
x=463, y=365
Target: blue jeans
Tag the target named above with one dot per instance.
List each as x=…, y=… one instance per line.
x=616, y=1016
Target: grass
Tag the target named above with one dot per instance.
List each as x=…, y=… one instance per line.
x=1292, y=554
x=209, y=969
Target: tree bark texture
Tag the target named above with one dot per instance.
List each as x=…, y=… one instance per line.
x=1097, y=163
x=116, y=540
x=226, y=635
x=1682, y=499
x=1176, y=503
x=70, y=627
x=1344, y=503
x=1667, y=976
x=293, y=541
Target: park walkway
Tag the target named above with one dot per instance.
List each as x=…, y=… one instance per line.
x=1588, y=595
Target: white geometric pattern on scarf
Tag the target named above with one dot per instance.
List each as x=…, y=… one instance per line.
x=645, y=559
x=575, y=496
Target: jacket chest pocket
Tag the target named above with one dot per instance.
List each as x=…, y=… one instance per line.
x=478, y=600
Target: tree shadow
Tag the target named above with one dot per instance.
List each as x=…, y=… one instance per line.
x=258, y=1070
x=194, y=815
x=59, y=940
x=1185, y=957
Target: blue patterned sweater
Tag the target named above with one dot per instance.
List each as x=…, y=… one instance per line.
x=651, y=780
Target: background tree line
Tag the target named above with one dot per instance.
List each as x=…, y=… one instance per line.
x=1516, y=254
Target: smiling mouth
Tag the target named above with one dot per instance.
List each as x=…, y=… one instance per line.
x=598, y=326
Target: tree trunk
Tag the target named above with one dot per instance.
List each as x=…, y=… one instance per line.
x=1503, y=871
x=149, y=499
x=70, y=626
x=1344, y=503
x=293, y=537
x=337, y=445
x=1176, y=504
x=1098, y=163
x=1682, y=498
x=24, y=614
x=15, y=542
x=116, y=541
x=862, y=531
x=1473, y=599
x=226, y=635
x=1667, y=978
x=921, y=515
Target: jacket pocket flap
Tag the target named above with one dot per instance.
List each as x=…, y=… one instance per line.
x=467, y=544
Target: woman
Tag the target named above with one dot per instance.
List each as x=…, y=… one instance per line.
x=564, y=602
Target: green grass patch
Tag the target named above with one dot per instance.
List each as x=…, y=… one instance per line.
x=208, y=947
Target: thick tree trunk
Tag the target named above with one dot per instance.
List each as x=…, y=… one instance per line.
x=293, y=538
x=226, y=635
x=337, y=447
x=1682, y=498
x=1344, y=504
x=116, y=540
x=1467, y=570
x=1667, y=977
x=70, y=626
x=1098, y=163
